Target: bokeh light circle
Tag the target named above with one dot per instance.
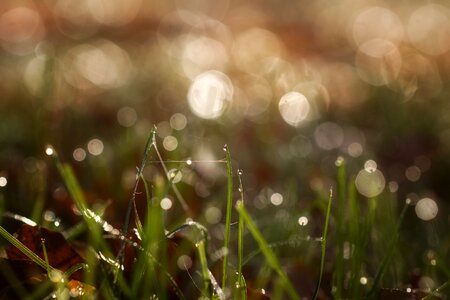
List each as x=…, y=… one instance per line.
x=294, y=108
x=426, y=209
x=209, y=93
x=377, y=22
x=378, y=62
x=370, y=184
x=429, y=29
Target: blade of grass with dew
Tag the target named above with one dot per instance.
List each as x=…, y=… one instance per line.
x=218, y=292
x=96, y=239
x=154, y=239
x=152, y=233
x=355, y=239
x=437, y=291
x=228, y=215
x=75, y=191
x=268, y=254
x=179, y=196
x=324, y=245
x=204, y=267
x=44, y=250
x=24, y=249
x=338, y=273
x=241, y=285
x=148, y=145
x=390, y=253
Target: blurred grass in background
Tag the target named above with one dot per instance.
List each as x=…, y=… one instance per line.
x=290, y=87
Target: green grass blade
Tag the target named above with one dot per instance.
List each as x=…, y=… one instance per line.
x=24, y=249
x=177, y=193
x=131, y=203
x=436, y=292
x=265, y=249
x=388, y=257
x=241, y=285
x=228, y=216
x=324, y=245
x=204, y=267
x=338, y=273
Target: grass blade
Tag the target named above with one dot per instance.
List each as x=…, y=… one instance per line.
x=204, y=266
x=436, y=292
x=388, y=257
x=338, y=273
x=24, y=249
x=242, y=288
x=265, y=249
x=228, y=215
x=148, y=145
x=324, y=245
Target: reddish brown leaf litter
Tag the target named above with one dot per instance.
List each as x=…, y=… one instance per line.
x=59, y=253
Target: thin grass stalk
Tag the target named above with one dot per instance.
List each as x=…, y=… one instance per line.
x=228, y=216
x=178, y=195
x=268, y=253
x=390, y=253
x=241, y=285
x=204, y=267
x=324, y=245
x=437, y=291
x=148, y=145
x=338, y=273
x=24, y=249
x=355, y=234
x=39, y=204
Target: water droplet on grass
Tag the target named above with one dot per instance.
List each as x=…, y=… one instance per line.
x=49, y=150
x=240, y=172
x=55, y=276
x=189, y=162
x=303, y=221
x=339, y=161
x=370, y=166
x=225, y=147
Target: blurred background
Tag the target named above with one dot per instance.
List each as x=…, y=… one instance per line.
x=289, y=86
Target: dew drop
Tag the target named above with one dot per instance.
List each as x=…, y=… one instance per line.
x=55, y=276
x=363, y=280
x=370, y=166
x=49, y=150
x=189, y=162
x=225, y=147
x=240, y=172
x=3, y=181
x=303, y=221
x=339, y=161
